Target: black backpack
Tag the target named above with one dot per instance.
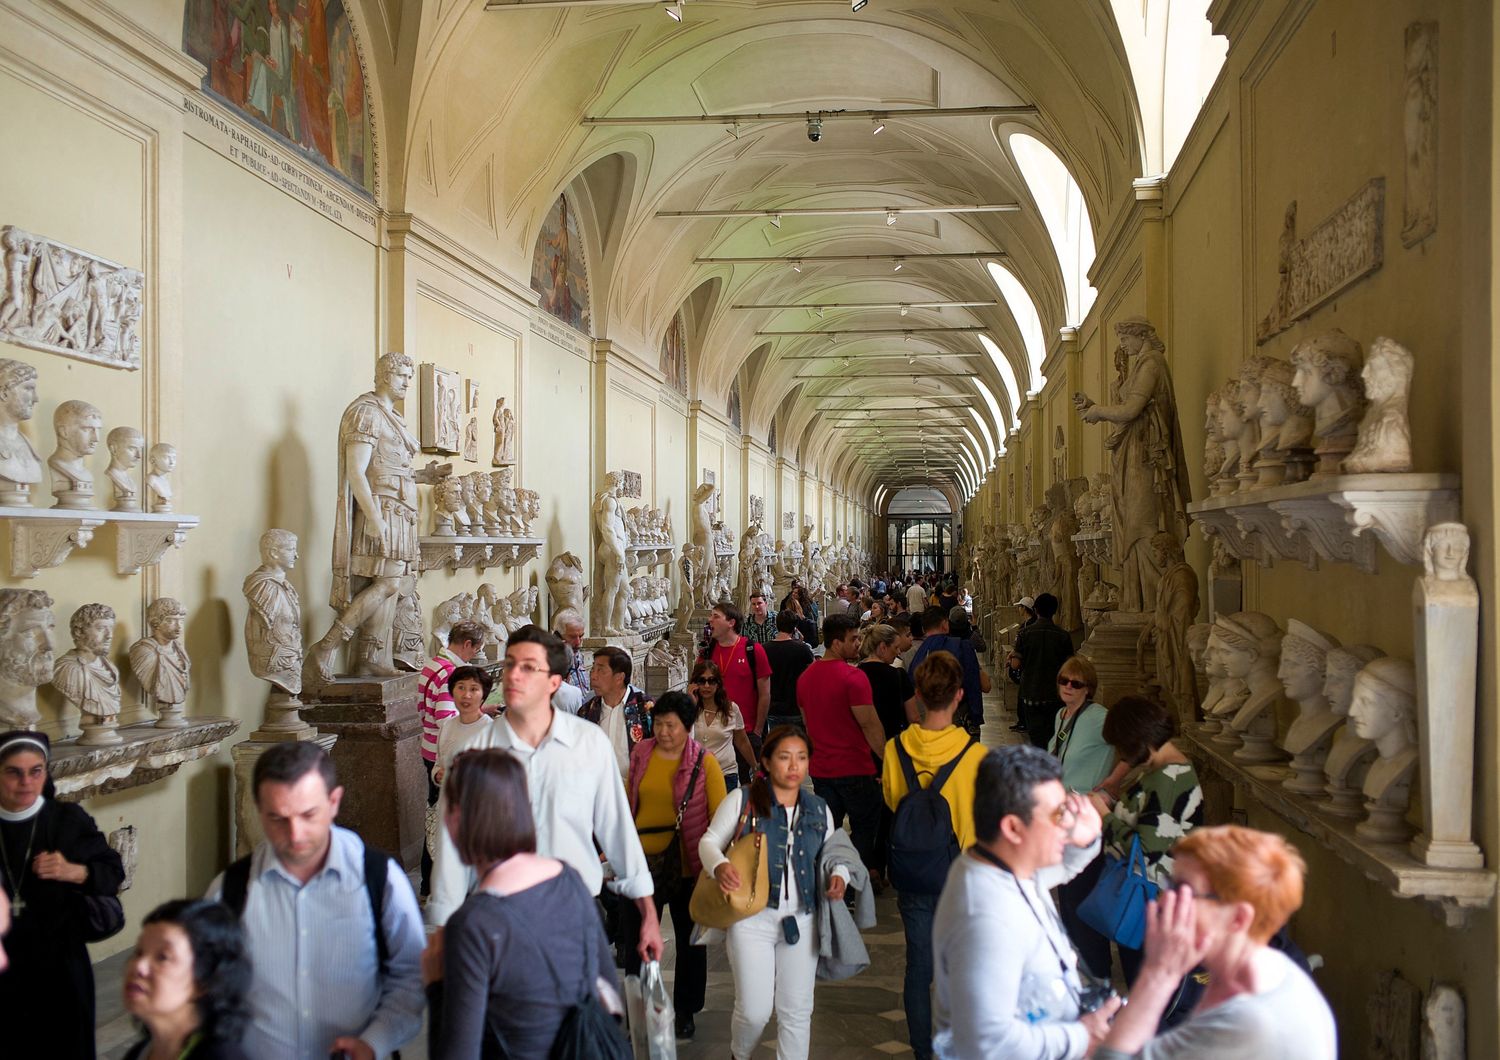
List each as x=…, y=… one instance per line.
x=923, y=844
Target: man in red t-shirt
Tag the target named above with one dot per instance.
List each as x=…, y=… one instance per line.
x=847, y=737
x=747, y=682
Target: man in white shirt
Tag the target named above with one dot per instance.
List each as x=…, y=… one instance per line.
x=916, y=597
x=576, y=792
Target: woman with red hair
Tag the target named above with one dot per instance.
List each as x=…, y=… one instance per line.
x=1232, y=889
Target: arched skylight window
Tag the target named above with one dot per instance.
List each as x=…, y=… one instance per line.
x=1174, y=59
x=1066, y=216
x=979, y=471
x=984, y=429
x=1024, y=310
x=998, y=418
x=1007, y=376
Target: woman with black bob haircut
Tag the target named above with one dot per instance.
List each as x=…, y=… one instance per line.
x=187, y=983
x=527, y=944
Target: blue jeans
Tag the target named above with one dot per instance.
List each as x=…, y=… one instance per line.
x=916, y=995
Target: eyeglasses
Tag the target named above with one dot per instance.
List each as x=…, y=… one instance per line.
x=1070, y=682
x=1065, y=815
x=525, y=669
x=1178, y=886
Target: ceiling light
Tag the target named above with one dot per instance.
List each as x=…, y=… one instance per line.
x=879, y=126
x=815, y=128
x=905, y=309
x=856, y=5
x=846, y=362
x=890, y=217
x=674, y=11
x=796, y=266
x=776, y=220
x=899, y=264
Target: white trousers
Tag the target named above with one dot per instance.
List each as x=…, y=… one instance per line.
x=767, y=972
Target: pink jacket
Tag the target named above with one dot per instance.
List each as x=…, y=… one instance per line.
x=695, y=816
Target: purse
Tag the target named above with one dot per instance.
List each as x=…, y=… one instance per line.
x=103, y=917
x=666, y=867
x=1116, y=907
x=710, y=906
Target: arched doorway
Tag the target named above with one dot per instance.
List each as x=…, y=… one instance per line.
x=919, y=531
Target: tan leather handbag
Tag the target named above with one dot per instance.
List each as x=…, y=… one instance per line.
x=710, y=906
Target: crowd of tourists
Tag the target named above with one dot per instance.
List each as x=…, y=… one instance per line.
x=813, y=761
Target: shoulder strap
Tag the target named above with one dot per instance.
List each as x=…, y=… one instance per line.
x=236, y=886
x=377, y=864
x=908, y=767
x=687, y=795
x=750, y=657
x=947, y=771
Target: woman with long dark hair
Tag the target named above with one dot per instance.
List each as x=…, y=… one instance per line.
x=527, y=944
x=721, y=724
x=188, y=982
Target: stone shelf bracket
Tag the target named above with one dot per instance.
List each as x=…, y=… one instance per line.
x=42, y=538
x=1338, y=519
x=145, y=755
x=478, y=553
x=1451, y=891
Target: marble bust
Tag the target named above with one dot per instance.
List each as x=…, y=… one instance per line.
x=273, y=623
x=1350, y=753
x=1250, y=648
x=450, y=516
x=1383, y=709
x=1240, y=420
x=1445, y=554
x=1304, y=660
x=77, y=425
x=160, y=662
x=163, y=459
x=1286, y=427
x=1327, y=380
x=20, y=467
x=1227, y=689
x=86, y=677
x=1384, y=434
x=25, y=654
x=126, y=445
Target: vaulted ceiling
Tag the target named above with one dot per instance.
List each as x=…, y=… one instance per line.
x=486, y=111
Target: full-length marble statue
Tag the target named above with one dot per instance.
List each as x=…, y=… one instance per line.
x=1176, y=607
x=161, y=663
x=612, y=586
x=26, y=625
x=1149, y=475
x=20, y=467
x=375, y=526
x=86, y=677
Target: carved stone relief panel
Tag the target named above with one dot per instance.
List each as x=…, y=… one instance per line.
x=1419, y=124
x=441, y=401
x=631, y=486
x=788, y=521
x=67, y=301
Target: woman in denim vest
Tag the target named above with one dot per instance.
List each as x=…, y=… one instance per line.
x=774, y=954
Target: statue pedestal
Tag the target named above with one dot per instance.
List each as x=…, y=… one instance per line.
x=1111, y=648
x=379, y=759
x=247, y=831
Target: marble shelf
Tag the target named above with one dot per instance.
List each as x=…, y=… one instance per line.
x=646, y=556
x=1094, y=546
x=1339, y=519
x=145, y=755
x=1452, y=892
x=652, y=632
x=43, y=538
x=479, y=553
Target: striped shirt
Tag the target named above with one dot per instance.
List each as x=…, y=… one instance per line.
x=437, y=702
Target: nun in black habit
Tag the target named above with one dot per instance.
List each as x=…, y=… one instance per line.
x=60, y=875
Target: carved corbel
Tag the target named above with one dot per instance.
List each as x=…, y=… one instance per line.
x=439, y=552
x=1323, y=527
x=142, y=543
x=1262, y=530
x=38, y=543
x=1397, y=518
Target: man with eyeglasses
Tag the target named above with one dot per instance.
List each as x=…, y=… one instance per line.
x=576, y=792
x=1006, y=976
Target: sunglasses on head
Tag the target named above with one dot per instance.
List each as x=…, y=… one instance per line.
x=1071, y=682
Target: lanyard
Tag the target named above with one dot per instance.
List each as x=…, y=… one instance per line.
x=791, y=836
x=989, y=856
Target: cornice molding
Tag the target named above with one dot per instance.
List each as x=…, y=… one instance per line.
x=410, y=233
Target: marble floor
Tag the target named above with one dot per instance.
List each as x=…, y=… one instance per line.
x=860, y=1017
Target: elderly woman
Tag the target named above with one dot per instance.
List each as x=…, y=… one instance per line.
x=60, y=875
x=675, y=787
x=1232, y=890
x=187, y=983
x=525, y=946
x=1163, y=803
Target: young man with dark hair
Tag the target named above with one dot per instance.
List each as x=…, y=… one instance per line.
x=1006, y=976
x=976, y=681
x=759, y=627
x=321, y=986
x=577, y=796
x=1042, y=648
x=847, y=737
x=789, y=659
x=618, y=707
x=744, y=668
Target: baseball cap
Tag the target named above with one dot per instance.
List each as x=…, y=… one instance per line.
x=1026, y=602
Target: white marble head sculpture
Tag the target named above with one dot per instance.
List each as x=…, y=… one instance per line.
x=126, y=446
x=393, y=374
x=278, y=548
x=26, y=625
x=1248, y=643
x=1445, y=552
x=93, y=627
x=500, y=480
x=1283, y=417
x=163, y=458
x=1304, y=660
x=1384, y=702
x=77, y=424
x=17, y=390
x=1340, y=666
x=1136, y=333
x=1388, y=370
x=483, y=485
x=164, y=618
x=1326, y=378
x=1197, y=643
x=447, y=495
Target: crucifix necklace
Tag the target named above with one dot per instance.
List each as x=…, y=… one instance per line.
x=18, y=904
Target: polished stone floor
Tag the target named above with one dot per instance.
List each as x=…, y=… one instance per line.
x=860, y=1017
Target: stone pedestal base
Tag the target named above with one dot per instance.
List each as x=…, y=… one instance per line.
x=379, y=759
x=247, y=831
x=283, y=720
x=1111, y=648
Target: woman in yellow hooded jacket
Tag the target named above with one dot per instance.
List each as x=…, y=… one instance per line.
x=932, y=743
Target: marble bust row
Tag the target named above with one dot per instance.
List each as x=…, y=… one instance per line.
x=483, y=504
x=85, y=675
x=1332, y=409
x=77, y=425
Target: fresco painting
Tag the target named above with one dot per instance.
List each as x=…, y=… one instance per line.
x=291, y=66
x=558, y=271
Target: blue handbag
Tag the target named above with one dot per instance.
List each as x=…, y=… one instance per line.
x=1116, y=907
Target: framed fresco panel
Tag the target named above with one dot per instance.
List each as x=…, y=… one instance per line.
x=558, y=270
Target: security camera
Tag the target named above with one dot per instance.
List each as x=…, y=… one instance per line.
x=815, y=129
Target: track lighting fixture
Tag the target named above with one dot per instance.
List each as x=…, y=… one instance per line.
x=856, y=5
x=776, y=220
x=879, y=126
x=674, y=11
x=899, y=264
x=890, y=217
x=905, y=310
x=796, y=266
